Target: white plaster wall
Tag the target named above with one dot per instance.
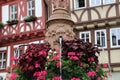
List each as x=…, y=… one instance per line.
x=5, y=13
x=38, y=8
x=103, y=57
x=112, y=12
x=115, y=76
x=3, y=75
x=85, y=16
x=115, y=56
x=3, y=48
x=94, y=15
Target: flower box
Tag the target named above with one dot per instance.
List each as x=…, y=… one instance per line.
x=30, y=18
x=1, y=24
x=12, y=22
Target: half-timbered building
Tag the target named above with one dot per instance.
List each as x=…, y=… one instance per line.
x=98, y=21
x=24, y=23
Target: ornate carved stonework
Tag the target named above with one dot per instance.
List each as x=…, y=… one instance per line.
x=56, y=30
x=59, y=24
x=60, y=4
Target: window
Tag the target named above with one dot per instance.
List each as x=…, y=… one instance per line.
x=85, y=36
x=30, y=8
x=115, y=37
x=17, y=53
x=80, y=3
x=100, y=38
x=95, y=2
x=13, y=12
x=108, y=1
x=2, y=60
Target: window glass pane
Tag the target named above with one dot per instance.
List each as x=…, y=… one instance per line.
x=82, y=36
x=29, y=5
x=0, y=56
x=29, y=12
x=32, y=12
x=4, y=56
x=119, y=40
x=79, y=3
x=33, y=4
x=20, y=52
x=98, y=40
x=30, y=8
x=98, y=33
x=108, y=1
x=103, y=41
x=102, y=33
x=114, y=37
x=4, y=64
x=13, y=12
x=87, y=40
x=113, y=40
x=95, y=2
x=87, y=34
x=0, y=65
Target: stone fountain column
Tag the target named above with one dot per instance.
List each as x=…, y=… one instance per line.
x=59, y=24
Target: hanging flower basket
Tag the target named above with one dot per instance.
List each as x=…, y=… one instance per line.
x=1, y=24
x=30, y=18
x=12, y=22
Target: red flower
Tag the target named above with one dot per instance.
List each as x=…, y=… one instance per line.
x=59, y=64
x=56, y=58
x=98, y=78
x=91, y=59
x=109, y=74
x=105, y=65
x=30, y=68
x=43, y=53
x=40, y=75
x=56, y=78
x=75, y=78
x=71, y=53
x=13, y=76
x=79, y=54
x=37, y=65
x=14, y=58
x=74, y=58
x=91, y=73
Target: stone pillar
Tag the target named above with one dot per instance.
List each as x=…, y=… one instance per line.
x=59, y=24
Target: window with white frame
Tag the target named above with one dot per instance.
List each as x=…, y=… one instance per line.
x=115, y=37
x=95, y=3
x=100, y=38
x=30, y=8
x=13, y=12
x=108, y=1
x=85, y=36
x=2, y=60
x=17, y=53
x=79, y=3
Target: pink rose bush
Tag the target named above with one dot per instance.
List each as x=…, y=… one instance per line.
x=78, y=62
x=31, y=64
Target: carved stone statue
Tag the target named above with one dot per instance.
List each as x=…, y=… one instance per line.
x=60, y=4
